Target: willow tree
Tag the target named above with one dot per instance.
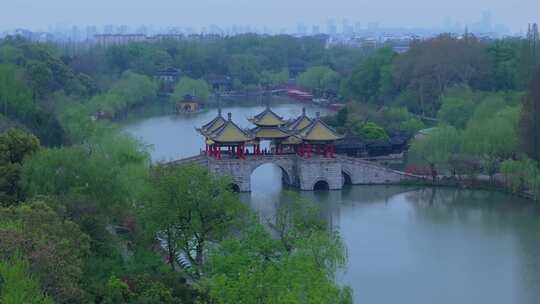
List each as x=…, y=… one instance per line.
x=188, y=209
x=297, y=263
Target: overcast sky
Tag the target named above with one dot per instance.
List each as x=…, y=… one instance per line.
x=276, y=14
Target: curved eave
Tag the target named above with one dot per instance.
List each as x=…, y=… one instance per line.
x=269, y=133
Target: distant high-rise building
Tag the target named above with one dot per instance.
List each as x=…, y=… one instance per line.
x=315, y=30
x=108, y=29
x=143, y=29
x=75, y=34
x=123, y=29
x=331, y=27
x=347, y=29
x=357, y=27
x=91, y=32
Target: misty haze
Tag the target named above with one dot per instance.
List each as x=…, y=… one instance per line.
x=269, y=152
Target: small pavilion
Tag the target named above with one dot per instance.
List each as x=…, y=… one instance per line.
x=269, y=126
x=317, y=138
x=221, y=133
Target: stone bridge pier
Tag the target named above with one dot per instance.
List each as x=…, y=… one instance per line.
x=303, y=173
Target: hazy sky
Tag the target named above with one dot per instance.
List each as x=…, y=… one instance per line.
x=39, y=14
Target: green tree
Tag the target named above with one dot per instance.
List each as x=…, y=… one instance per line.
x=245, y=67
x=456, y=110
x=15, y=145
x=15, y=97
x=40, y=78
x=397, y=119
x=521, y=174
x=189, y=209
x=188, y=86
x=54, y=247
x=18, y=284
x=423, y=73
x=369, y=130
x=93, y=184
x=371, y=78
x=530, y=120
x=437, y=148
x=269, y=78
x=297, y=267
x=318, y=78
x=129, y=90
x=494, y=139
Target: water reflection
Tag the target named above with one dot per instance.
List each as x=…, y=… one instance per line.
x=405, y=244
x=429, y=245
x=174, y=136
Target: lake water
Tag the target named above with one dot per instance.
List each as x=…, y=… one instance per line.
x=405, y=244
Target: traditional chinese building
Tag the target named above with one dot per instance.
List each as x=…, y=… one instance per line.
x=225, y=137
x=303, y=135
x=269, y=126
x=317, y=138
x=189, y=104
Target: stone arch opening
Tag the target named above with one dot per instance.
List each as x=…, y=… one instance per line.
x=234, y=188
x=346, y=178
x=321, y=185
x=269, y=177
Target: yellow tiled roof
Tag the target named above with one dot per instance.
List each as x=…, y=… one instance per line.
x=292, y=140
x=319, y=131
x=300, y=123
x=272, y=132
x=214, y=124
x=229, y=132
x=267, y=118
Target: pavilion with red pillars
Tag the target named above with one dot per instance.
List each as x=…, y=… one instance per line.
x=225, y=137
x=269, y=126
x=317, y=138
x=307, y=137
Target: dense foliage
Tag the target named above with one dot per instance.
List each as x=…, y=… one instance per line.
x=85, y=217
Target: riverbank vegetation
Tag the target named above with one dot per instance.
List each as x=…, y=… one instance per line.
x=97, y=224
x=489, y=133
x=86, y=218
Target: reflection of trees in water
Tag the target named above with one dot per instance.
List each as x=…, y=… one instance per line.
x=493, y=213
x=501, y=206
x=491, y=209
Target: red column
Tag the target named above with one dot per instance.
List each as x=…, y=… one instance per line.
x=332, y=151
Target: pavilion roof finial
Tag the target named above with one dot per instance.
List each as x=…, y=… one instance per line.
x=229, y=116
x=318, y=114
x=304, y=111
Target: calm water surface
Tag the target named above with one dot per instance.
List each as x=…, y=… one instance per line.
x=405, y=245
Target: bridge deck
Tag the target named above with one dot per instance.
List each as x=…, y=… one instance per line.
x=301, y=172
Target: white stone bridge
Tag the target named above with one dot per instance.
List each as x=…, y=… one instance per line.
x=304, y=173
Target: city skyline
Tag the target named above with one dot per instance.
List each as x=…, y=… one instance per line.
x=277, y=16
